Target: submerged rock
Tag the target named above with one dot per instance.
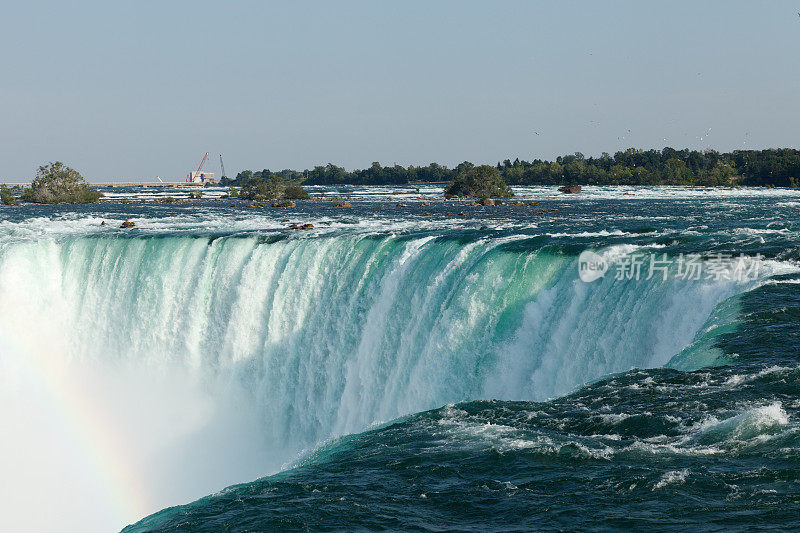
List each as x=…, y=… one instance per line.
x=126, y=224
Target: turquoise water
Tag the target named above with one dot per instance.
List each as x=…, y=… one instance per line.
x=427, y=367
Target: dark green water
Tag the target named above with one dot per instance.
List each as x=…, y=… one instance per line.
x=717, y=449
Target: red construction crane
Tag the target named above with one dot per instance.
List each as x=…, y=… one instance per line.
x=192, y=175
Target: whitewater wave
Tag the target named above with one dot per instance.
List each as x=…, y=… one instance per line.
x=674, y=477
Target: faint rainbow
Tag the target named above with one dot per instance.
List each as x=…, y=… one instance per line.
x=108, y=455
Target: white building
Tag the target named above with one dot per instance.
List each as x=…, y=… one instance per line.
x=201, y=177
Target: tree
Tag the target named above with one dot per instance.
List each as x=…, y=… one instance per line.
x=6, y=196
x=295, y=191
x=273, y=187
x=773, y=167
x=484, y=181
x=258, y=189
x=56, y=183
x=676, y=172
x=243, y=178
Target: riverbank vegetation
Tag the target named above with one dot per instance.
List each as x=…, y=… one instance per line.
x=56, y=183
x=772, y=167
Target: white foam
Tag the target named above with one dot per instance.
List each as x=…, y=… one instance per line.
x=674, y=477
x=755, y=423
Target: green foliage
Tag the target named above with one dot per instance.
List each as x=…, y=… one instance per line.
x=778, y=167
x=168, y=200
x=258, y=189
x=242, y=178
x=295, y=191
x=195, y=195
x=56, y=183
x=484, y=181
x=274, y=187
x=6, y=196
x=233, y=192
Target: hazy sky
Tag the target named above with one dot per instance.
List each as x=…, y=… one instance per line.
x=131, y=90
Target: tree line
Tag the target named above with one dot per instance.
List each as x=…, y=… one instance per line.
x=770, y=167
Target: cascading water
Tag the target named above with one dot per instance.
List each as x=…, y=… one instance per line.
x=332, y=334
x=252, y=349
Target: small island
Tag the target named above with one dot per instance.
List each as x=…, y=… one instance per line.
x=274, y=187
x=56, y=183
x=480, y=182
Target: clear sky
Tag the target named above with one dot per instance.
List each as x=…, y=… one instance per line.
x=131, y=90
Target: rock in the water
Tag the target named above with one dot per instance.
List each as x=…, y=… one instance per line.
x=288, y=203
x=343, y=204
x=570, y=189
x=127, y=224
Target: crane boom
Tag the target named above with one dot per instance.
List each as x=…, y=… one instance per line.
x=222, y=165
x=190, y=178
x=203, y=162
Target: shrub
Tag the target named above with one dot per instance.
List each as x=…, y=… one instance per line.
x=56, y=183
x=274, y=188
x=484, y=181
x=259, y=189
x=295, y=191
x=7, y=196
